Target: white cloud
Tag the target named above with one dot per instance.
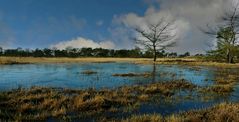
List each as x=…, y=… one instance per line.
x=82, y=42
x=189, y=16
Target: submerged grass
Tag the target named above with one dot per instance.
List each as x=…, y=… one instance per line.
x=89, y=72
x=224, y=82
x=43, y=103
x=224, y=112
x=146, y=74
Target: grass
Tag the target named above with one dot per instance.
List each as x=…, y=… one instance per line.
x=43, y=103
x=224, y=112
x=217, y=89
x=182, y=61
x=146, y=74
x=224, y=82
x=27, y=60
x=144, y=118
x=89, y=72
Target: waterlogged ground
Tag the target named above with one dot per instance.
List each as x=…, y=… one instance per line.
x=73, y=76
x=209, y=83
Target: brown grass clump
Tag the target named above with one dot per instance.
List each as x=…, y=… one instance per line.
x=221, y=89
x=144, y=118
x=89, y=72
x=225, y=112
x=224, y=84
x=217, y=89
x=39, y=103
x=146, y=74
x=42, y=103
x=143, y=97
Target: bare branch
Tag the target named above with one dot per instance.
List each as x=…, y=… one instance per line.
x=159, y=35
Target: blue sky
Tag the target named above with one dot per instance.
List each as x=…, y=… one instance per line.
x=41, y=23
x=104, y=23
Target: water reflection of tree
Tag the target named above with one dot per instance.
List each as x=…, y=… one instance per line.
x=154, y=73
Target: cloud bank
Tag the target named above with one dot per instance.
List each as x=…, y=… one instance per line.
x=189, y=16
x=82, y=42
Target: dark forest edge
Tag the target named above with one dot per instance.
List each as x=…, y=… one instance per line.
x=111, y=53
x=87, y=52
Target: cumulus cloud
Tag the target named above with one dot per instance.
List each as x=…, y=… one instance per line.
x=189, y=16
x=82, y=42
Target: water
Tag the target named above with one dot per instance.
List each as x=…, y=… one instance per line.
x=70, y=75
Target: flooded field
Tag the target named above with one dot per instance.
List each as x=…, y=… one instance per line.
x=144, y=89
x=102, y=76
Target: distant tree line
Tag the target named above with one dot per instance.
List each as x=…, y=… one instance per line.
x=87, y=52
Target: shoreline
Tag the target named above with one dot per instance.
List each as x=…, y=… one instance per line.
x=166, y=61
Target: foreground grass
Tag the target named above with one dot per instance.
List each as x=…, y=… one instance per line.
x=224, y=82
x=39, y=103
x=45, y=103
x=224, y=112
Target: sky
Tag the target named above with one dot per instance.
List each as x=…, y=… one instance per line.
x=102, y=23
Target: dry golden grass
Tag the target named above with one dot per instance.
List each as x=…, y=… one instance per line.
x=224, y=112
x=89, y=72
x=145, y=74
x=41, y=103
x=182, y=61
x=25, y=60
x=145, y=118
x=224, y=82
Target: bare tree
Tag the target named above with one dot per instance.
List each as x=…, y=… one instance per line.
x=226, y=32
x=157, y=36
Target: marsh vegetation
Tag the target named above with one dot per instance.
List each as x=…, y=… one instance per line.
x=152, y=93
x=172, y=72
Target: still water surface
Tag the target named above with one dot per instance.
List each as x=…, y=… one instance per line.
x=69, y=75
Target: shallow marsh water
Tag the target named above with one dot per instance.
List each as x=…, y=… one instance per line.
x=70, y=75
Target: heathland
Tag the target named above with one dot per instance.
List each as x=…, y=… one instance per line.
x=122, y=103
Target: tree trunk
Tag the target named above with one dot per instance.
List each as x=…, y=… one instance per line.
x=155, y=57
x=155, y=54
x=230, y=58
